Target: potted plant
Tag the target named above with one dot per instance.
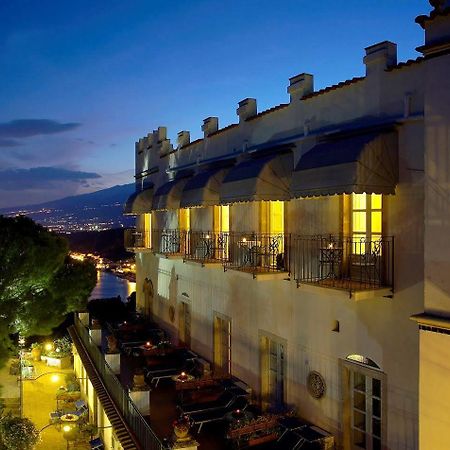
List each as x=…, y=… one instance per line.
x=60, y=354
x=181, y=428
x=36, y=351
x=17, y=433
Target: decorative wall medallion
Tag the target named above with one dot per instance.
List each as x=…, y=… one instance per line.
x=316, y=384
x=172, y=313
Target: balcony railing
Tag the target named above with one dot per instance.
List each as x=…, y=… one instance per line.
x=142, y=430
x=169, y=242
x=259, y=252
x=136, y=239
x=207, y=247
x=348, y=263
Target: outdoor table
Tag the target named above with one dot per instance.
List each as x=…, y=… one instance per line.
x=237, y=415
x=69, y=418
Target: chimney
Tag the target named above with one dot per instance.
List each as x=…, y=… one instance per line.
x=437, y=28
x=149, y=140
x=246, y=109
x=161, y=134
x=184, y=137
x=210, y=125
x=380, y=56
x=300, y=85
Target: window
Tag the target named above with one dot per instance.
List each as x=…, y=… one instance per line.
x=221, y=219
x=272, y=217
x=184, y=219
x=366, y=220
x=273, y=369
x=147, y=230
x=184, y=323
x=365, y=404
x=222, y=345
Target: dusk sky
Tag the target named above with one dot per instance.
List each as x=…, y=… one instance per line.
x=81, y=81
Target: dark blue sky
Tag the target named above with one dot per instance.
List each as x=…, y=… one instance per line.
x=82, y=80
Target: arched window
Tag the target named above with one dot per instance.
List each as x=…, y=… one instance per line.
x=363, y=360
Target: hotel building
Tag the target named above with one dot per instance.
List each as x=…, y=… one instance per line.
x=292, y=248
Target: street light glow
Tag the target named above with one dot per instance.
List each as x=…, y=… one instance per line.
x=48, y=346
x=55, y=378
x=67, y=428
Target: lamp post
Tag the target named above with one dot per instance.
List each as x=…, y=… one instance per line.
x=21, y=346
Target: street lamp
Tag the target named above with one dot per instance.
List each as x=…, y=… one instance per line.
x=21, y=346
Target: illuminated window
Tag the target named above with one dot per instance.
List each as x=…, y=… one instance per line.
x=147, y=230
x=184, y=219
x=366, y=219
x=221, y=219
x=272, y=217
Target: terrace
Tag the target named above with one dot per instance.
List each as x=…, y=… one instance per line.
x=152, y=384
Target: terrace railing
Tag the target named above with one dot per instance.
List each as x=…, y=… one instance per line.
x=207, y=246
x=137, y=239
x=259, y=252
x=141, y=429
x=348, y=263
x=170, y=242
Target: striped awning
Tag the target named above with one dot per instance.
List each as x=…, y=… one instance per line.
x=168, y=195
x=203, y=189
x=259, y=178
x=366, y=163
x=139, y=203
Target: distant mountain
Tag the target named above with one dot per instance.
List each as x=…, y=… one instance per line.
x=98, y=210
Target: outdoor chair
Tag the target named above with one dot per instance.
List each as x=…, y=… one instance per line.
x=81, y=405
x=201, y=417
x=223, y=401
x=96, y=444
x=55, y=416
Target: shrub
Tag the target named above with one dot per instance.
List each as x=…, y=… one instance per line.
x=18, y=433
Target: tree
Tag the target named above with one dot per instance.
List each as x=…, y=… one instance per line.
x=17, y=433
x=39, y=283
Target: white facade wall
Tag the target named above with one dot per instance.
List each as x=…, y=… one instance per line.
x=414, y=97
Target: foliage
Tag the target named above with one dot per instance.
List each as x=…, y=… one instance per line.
x=37, y=345
x=18, y=433
x=39, y=283
x=72, y=383
x=61, y=347
x=108, y=309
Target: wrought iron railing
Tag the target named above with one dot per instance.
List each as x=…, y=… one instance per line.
x=259, y=252
x=206, y=246
x=169, y=242
x=140, y=427
x=137, y=239
x=344, y=262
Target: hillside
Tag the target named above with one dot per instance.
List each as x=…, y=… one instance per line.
x=100, y=210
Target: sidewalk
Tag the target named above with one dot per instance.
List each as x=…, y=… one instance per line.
x=39, y=399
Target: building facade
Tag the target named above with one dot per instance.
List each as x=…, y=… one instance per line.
x=291, y=249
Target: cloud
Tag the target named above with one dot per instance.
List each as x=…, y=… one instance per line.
x=22, y=128
x=9, y=143
x=42, y=178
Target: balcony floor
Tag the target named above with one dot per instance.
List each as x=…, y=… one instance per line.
x=163, y=409
x=356, y=289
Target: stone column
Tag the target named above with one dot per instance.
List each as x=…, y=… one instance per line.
x=95, y=331
x=113, y=361
x=84, y=318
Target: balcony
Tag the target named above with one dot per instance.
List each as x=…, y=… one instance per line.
x=362, y=267
x=206, y=248
x=170, y=242
x=262, y=255
x=136, y=240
